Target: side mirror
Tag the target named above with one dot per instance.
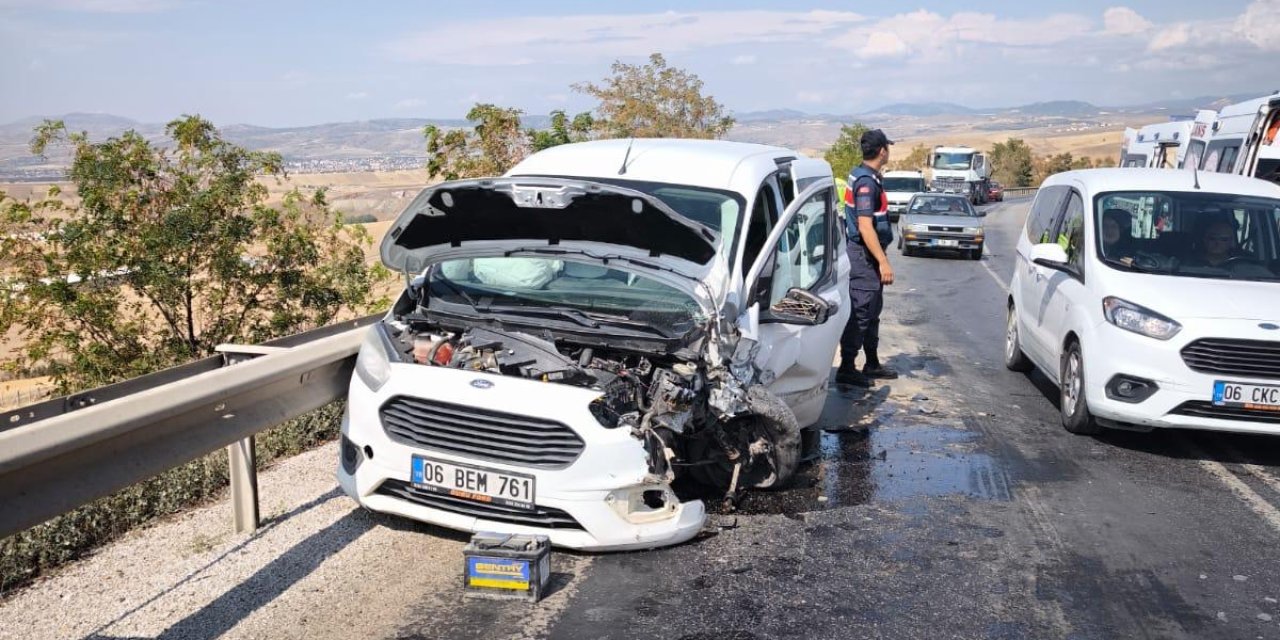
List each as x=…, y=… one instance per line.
x=798, y=307
x=1050, y=255
x=982, y=213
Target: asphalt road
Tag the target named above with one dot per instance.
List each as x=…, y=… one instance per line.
x=947, y=504
x=951, y=504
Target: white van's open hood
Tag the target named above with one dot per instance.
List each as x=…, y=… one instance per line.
x=588, y=221
x=545, y=211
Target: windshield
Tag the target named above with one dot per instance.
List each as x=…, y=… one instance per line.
x=1192, y=234
x=590, y=291
x=720, y=211
x=912, y=185
x=941, y=206
x=952, y=160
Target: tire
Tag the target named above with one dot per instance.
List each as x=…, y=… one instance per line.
x=908, y=251
x=1014, y=358
x=771, y=430
x=975, y=254
x=1075, y=406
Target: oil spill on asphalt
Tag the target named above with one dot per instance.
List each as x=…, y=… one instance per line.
x=876, y=449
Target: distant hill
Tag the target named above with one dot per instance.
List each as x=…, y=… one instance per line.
x=921, y=109
x=397, y=142
x=771, y=114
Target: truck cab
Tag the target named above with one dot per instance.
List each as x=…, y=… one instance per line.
x=962, y=170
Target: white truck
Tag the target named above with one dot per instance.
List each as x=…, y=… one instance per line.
x=962, y=170
x=1160, y=145
x=1201, y=132
x=1244, y=139
x=899, y=187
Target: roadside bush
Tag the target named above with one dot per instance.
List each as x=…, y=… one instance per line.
x=26, y=555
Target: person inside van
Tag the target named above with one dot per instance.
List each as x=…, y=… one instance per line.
x=1117, y=237
x=1218, y=245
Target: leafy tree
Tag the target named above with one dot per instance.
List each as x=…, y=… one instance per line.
x=1012, y=163
x=846, y=153
x=916, y=160
x=171, y=252
x=562, y=131
x=1050, y=165
x=655, y=101
x=1107, y=161
x=495, y=143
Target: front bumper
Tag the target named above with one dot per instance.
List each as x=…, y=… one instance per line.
x=583, y=496
x=930, y=241
x=1184, y=398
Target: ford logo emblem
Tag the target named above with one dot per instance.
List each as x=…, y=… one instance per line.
x=1269, y=326
x=482, y=384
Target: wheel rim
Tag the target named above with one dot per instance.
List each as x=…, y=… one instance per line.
x=1071, y=384
x=1011, y=336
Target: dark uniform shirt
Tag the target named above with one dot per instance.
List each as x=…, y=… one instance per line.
x=865, y=199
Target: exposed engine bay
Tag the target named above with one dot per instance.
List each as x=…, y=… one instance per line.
x=702, y=417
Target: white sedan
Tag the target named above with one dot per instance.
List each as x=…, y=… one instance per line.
x=1152, y=298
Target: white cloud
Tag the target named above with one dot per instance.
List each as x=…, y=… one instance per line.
x=1175, y=36
x=1260, y=24
x=883, y=44
x=357, y=95
x=1123, y=21
x=743, y=59
x=92, y=6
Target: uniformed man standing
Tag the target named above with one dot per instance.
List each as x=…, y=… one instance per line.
x=869, y=232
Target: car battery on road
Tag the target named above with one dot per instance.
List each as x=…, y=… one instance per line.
x=500, y=565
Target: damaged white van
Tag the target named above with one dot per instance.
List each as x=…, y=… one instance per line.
x=607, y=320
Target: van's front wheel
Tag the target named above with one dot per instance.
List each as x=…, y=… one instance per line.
x=1075, y=406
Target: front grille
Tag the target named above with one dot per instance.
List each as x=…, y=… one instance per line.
x=942, y=229
x=480, y=433
x=1206, y=409
x=545, y=517
x=1226, y=356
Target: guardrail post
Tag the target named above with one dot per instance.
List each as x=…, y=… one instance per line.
x=244, y=485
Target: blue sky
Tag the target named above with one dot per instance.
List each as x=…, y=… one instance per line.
x=295, y=63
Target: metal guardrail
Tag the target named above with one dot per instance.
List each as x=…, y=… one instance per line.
x=1014, y=192
x=66, y=452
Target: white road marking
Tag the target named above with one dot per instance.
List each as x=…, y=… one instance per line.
x=995, y=276
x=1260, y=472
x=1255, y=502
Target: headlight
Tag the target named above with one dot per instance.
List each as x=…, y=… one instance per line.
x=1139, y=319
x=918, y=227
x=371, y=363
x=973, y=231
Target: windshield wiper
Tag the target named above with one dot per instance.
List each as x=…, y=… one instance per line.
x=467, y=299
x=573, y=315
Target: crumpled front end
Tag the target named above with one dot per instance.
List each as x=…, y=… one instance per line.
x=588, y=487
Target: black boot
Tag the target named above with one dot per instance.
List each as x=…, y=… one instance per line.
x=877, y=370
x=851, y=376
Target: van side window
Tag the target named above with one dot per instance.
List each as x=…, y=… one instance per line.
x=764, y=213
x=1044, y=210
x=1228, y=163
x=1071, y=231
